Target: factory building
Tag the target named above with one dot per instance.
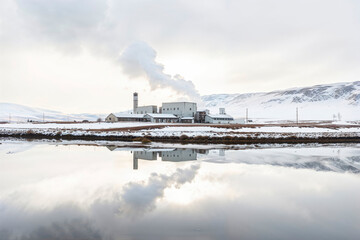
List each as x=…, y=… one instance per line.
x=146, y=109
x=170, y=112
x=125, y=118
x=222, y=117
x=180, y=109
x=142, y=109
x=200, y=116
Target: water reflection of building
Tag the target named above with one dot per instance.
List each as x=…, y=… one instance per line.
x=165, y=154
x=178, y=155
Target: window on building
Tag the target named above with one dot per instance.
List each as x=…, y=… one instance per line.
x=168, y=109
x=178, y=109
x=190, y=108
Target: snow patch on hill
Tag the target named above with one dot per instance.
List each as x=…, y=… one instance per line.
x=20, y=113
x=340, y=101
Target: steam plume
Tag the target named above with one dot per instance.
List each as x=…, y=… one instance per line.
x=138, y=59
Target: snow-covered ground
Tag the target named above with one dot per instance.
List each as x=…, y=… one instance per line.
x=102, y=125
x=176, y=130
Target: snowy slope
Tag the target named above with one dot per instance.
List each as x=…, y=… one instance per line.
x=23, y=113
x=320, y=102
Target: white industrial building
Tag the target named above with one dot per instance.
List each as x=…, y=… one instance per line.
x=146, y=109
x=222, y=117
x=125, y=118
x=170, y=112
x=180, y=109
x=142, y=109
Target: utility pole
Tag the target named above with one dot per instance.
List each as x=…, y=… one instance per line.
x=297, y=115
x=247, y=115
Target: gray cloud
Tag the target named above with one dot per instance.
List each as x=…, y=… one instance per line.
x=239, y=46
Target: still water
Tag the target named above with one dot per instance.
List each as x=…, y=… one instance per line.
x=105, y=191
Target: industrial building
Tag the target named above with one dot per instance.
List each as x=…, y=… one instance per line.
x=180, y=109
x=222, y=117
x=170, y=112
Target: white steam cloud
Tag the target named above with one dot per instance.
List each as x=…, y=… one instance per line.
x=138, y=59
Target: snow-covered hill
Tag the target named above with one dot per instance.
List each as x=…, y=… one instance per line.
x=20, y=113
x=320, y=102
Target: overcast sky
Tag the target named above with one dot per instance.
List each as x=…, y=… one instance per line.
x=91, y=55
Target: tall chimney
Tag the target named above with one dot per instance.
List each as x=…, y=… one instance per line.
x=135, y=102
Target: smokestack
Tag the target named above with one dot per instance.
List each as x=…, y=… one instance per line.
x=135, y=102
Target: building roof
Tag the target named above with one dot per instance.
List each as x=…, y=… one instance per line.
x=187, y=118
x=160, y=115
x=219, y=116
x=130, y=116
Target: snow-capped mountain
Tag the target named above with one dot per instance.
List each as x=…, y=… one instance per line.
x=340, y=101
x=20, y=113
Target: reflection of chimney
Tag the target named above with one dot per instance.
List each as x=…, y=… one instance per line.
x=221, y=152
x=222, y=111
x=135, y=102
x=135, y=162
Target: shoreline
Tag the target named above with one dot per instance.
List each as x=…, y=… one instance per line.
x=186, y=139
x=188, y=133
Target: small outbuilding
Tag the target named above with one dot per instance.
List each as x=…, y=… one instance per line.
x=125, y=118
x=219, y=118
x=111, y=118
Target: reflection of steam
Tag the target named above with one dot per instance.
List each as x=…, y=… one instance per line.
x=139, y=198
x=71, y=222
x=139, y=59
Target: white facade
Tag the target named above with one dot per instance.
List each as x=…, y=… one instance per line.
x=145, y=109
x=180, y=109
